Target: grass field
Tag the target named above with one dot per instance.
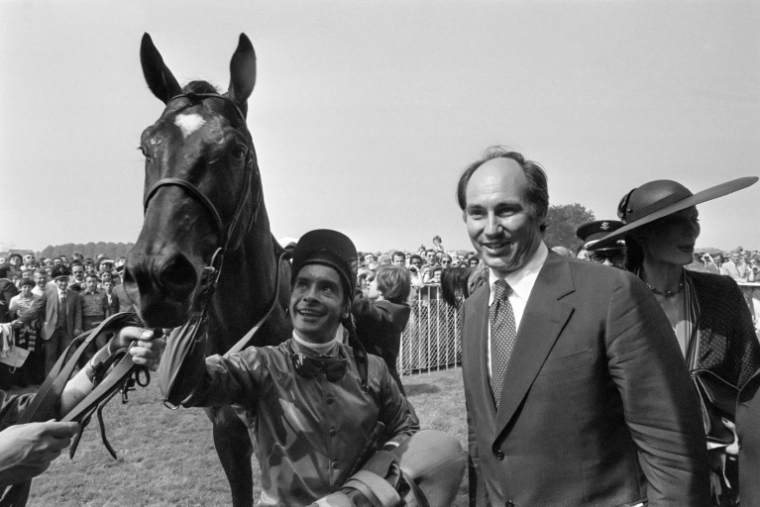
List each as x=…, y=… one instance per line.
x=167, y=458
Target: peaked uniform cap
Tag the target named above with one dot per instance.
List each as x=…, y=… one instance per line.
x=660, y=198
x=328, y=248
x=591, y=232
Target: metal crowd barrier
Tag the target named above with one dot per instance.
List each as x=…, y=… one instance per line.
x=432, y=339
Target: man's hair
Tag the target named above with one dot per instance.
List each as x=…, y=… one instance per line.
x=75, y=263
x=395, y=283
x=91, y=275
x=415, y=256
x=537, y=193
x=398, y=253
x=4, y=268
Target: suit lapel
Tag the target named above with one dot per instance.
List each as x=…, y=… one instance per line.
x=543, y=320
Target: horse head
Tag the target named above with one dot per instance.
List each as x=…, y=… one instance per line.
x=202, y=186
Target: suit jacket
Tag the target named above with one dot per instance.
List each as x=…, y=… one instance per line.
x=7, y=291
x=597, y=407
x=379, y=325
x=73, y=312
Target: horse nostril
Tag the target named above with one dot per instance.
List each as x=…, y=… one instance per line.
x=178, y=274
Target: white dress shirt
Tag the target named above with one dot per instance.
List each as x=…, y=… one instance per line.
x=522, y=281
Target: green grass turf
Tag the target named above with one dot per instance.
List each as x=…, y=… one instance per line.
x=167, y=458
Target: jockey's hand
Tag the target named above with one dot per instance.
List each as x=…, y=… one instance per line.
x=147, y=348
x=26, y=450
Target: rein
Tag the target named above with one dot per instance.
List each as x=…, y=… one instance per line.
x=43, y=406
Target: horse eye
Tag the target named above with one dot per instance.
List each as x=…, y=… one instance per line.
x=238, y=151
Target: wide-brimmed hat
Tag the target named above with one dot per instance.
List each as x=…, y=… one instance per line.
x=656, y=199
x=329, y=248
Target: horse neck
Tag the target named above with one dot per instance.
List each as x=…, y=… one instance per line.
x=246, y=286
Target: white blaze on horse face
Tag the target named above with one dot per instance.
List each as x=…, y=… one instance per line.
x=189, y=123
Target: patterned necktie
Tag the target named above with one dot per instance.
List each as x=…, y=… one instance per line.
x=63, y=297
x=503, y=333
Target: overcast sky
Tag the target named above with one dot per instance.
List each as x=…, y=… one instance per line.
x=366, y=112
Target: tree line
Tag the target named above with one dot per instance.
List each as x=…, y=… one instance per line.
x=111, y=250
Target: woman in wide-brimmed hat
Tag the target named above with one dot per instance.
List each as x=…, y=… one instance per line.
x=710, y=318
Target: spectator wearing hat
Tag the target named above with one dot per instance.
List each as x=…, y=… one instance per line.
x=381, y=315
x=313, y=403
x=612, y=254
x=63, y=316
x=711, y=321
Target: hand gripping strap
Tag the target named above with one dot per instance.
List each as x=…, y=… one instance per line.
x=182, y=364
x=374, y=488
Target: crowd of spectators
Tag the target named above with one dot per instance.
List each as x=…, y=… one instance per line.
x=740, y=264
x=425, y=265
x=96, y=284
x=45, y=303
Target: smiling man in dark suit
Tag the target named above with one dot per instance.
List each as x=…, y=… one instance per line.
x=576, y=390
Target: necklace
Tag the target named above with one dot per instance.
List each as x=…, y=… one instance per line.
x=667, y=293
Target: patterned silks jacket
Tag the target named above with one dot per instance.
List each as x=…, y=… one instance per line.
x=306, y=431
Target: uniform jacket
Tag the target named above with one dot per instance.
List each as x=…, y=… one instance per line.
x=379, y=325
x=597, y=407
x=306, y=432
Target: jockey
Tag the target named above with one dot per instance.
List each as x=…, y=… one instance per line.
x=328, y=422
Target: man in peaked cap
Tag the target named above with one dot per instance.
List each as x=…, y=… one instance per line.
x=612, y=254
x=318, y=409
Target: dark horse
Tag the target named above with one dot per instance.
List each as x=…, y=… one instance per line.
x=204, y=208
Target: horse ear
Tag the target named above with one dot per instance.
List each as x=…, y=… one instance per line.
x=159, y=78
x=242, y=72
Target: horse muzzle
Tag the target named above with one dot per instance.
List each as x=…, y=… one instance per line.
x=162, y=286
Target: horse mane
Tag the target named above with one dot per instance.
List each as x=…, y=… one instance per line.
x=199, y=87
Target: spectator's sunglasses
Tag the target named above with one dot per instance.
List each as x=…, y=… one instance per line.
x=614, y=255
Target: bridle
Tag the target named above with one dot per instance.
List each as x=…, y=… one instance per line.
x=214, y=268
x=189, y=331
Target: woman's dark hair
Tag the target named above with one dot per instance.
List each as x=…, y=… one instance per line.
x=454, y=284
x=395, y=283
x=634, y=254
